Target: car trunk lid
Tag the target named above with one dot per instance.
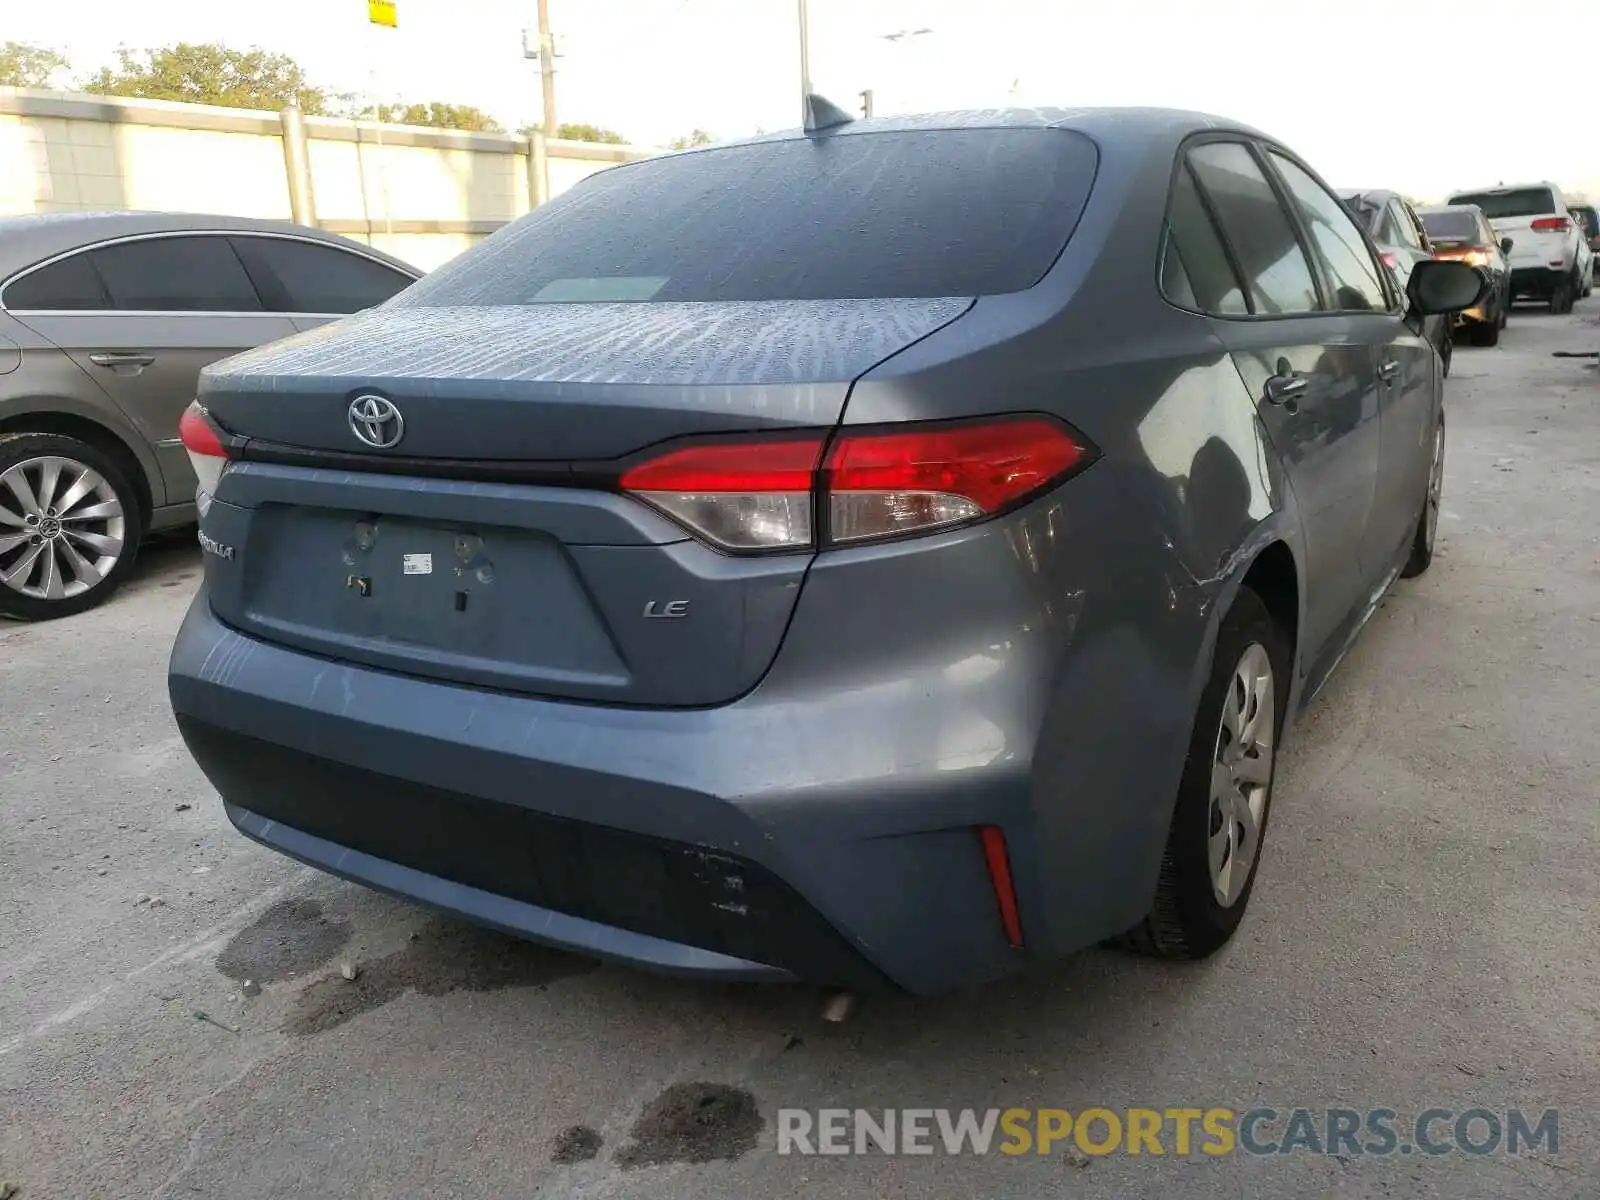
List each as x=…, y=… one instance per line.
x=478, y=547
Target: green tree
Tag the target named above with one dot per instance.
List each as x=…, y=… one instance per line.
x=698, y=137
x=22, y=65
x=209, y=74
x=589, y=133
x=436, y=115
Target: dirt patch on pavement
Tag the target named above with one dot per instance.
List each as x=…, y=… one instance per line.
x=694, y=1123
x=576, y=1144
x=444, y=957
x=289, y=939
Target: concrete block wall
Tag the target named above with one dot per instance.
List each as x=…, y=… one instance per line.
x=421, y=194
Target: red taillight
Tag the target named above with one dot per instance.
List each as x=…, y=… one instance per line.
x=880, y=484
x=740, y=495
x=749, y=494
x=1005, y=892
x=1388, y=260
x=1551, y=225
x=207, y=454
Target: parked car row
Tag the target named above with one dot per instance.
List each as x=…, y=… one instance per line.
x=1546, y=244
x=887, y=554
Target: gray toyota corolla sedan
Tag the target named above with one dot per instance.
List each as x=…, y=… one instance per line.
x=884, y=555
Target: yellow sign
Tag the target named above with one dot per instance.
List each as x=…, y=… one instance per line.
x=381, y=12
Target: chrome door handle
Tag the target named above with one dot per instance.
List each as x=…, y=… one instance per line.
x=1283, y=388
x=1388, y=369
x=122, y=358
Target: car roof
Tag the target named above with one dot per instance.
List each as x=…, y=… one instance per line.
x=1508, y=187
x=1448, y=208
x=1375, y=195
x=33, y=238
x=1107, y=126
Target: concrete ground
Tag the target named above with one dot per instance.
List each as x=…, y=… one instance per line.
x=1423, y=934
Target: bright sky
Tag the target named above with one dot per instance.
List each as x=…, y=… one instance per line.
x=1409, y=94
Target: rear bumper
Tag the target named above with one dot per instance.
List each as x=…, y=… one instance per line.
x=1537, y=281
x=825, y=825
x=761, y=840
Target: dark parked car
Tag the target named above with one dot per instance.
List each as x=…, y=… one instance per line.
x=1588, y=219
x=105, y=322
x=1462, y=233
x=703, y=574
x=1402, y=243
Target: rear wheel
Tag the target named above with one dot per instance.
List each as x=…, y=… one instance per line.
x=1421, y=556
x=1561, y=298
x=1208, y=869
x=70, y=526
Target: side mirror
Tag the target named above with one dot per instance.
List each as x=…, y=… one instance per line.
x=1505, y=245
x=1442, y=286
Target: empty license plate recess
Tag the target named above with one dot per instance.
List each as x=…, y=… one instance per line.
x=494, y=605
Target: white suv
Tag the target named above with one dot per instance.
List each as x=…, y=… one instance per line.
x=1550, y=258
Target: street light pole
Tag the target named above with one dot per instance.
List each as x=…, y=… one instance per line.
x=805, y=61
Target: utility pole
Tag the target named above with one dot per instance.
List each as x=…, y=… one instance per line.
x=866, y=102
x=805, y=61
x=547, y=68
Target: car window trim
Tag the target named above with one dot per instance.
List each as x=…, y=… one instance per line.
x=1265, y=150
x=1181, y=166
x=182, y=312
x=1237, y=139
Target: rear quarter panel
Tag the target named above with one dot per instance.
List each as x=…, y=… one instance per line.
x=1133, y=561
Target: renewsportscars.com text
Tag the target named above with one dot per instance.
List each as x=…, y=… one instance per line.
x=1159, y=1131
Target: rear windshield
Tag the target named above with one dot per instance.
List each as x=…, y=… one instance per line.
x=1451, y=226
x=1525, y=202
x=968, y=212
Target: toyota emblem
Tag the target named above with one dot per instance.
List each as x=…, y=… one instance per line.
x=377, y=422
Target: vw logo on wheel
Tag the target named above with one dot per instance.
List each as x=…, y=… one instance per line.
x=377, y=422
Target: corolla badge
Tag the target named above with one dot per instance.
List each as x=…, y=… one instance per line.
x=376, y=421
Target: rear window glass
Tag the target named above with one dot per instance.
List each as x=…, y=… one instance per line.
x=968, y=212
x=1451, y=226
x=1525, y=202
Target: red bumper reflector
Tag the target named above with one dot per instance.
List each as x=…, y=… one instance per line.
x=1005, y=894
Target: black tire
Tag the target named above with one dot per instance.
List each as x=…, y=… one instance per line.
x=1487, y=333
x=17, y=449
x=1561, y=298
x=1186, y=920
x=1422, y=541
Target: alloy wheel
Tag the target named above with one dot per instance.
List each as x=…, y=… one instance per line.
x=62, y=528
x=1241, y=774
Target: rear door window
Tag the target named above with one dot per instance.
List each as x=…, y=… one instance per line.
x=955, y=212
x=1404, y=231
x=176, y=274
x=1355, y=275
x=1196, y=272
x=1258, y=230
x=303, y=277
x=1523, y=202
x=69, y=284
